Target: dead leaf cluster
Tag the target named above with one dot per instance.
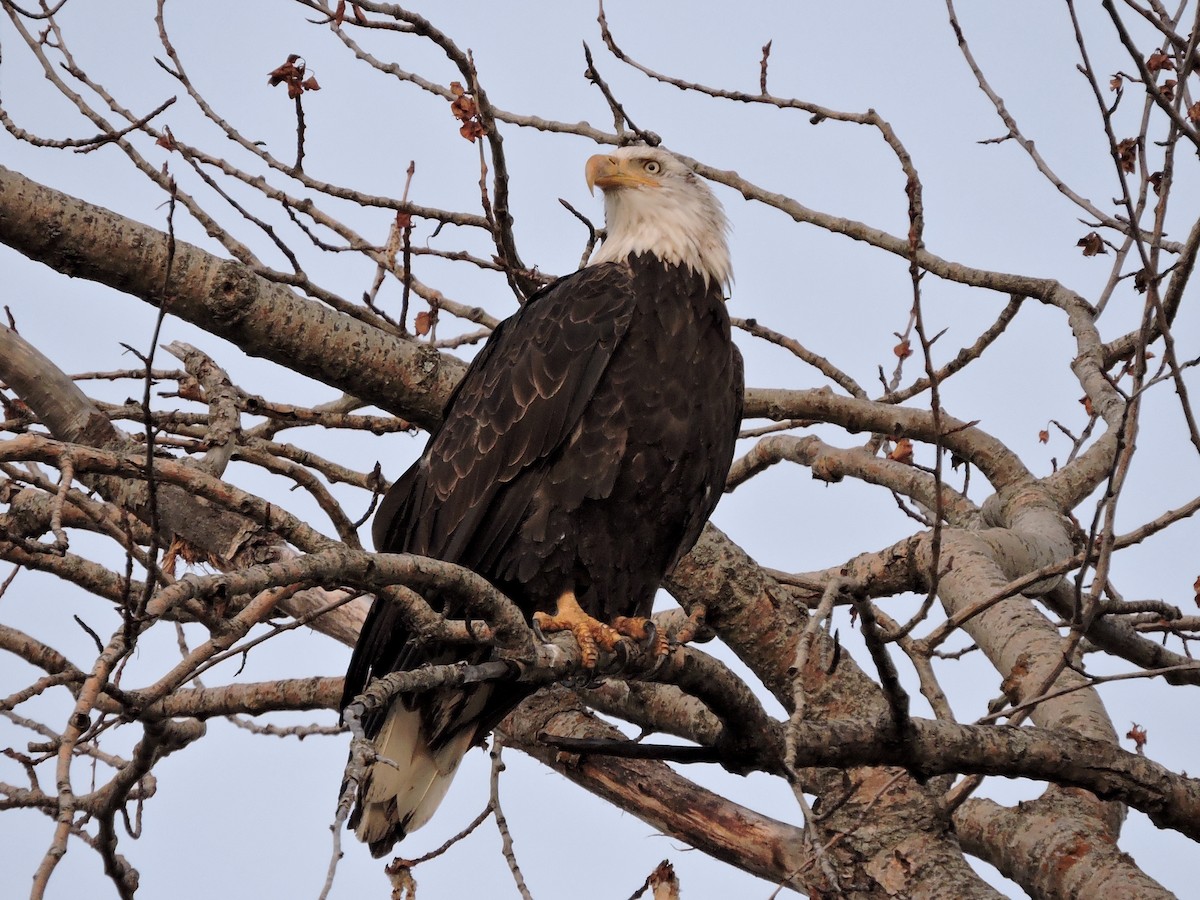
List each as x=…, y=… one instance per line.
x=291, y=73
x=466, y=110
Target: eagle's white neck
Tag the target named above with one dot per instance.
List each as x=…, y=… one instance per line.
x=681, y=223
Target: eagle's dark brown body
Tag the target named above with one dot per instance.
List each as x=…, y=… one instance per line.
x=583, y=451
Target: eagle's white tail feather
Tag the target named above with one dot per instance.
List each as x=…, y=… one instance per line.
x=408, y=793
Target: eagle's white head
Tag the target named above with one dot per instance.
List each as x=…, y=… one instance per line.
x=654, y=203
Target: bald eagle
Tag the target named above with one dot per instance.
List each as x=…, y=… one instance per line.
x=576, y=462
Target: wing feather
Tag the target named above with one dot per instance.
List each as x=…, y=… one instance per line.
x=516, y=406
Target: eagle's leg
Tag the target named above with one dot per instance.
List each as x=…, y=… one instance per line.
x=590, y=633
x=643, y=631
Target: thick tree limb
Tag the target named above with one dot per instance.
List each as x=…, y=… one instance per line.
x=658, y=795
x=1043, y=846
x=225, y=298
x=763, y=627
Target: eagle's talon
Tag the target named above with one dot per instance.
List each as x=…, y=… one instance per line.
x=590, y=634
x=644, y=632
x=621, y=652
x=652, y=639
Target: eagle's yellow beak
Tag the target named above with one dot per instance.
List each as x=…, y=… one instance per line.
x=608, y=172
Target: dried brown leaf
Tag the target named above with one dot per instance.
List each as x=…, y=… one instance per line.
x=1127, y=154
x=466, y=110
x=472, y=130
x=1159, y=61
x=1137, y=734
x=288, y=72
x=15, y=408
x=663, y=882
x=903, y=452
x=291, y=73
x=166, y=140
x=1092, y=244
x=1011, y=685
x=1141, y=281
x=903, y=349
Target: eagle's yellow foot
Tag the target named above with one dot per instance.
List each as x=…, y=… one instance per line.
x=591, y=634
x=644, y=632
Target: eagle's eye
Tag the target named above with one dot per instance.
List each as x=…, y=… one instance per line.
x=652, y=166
